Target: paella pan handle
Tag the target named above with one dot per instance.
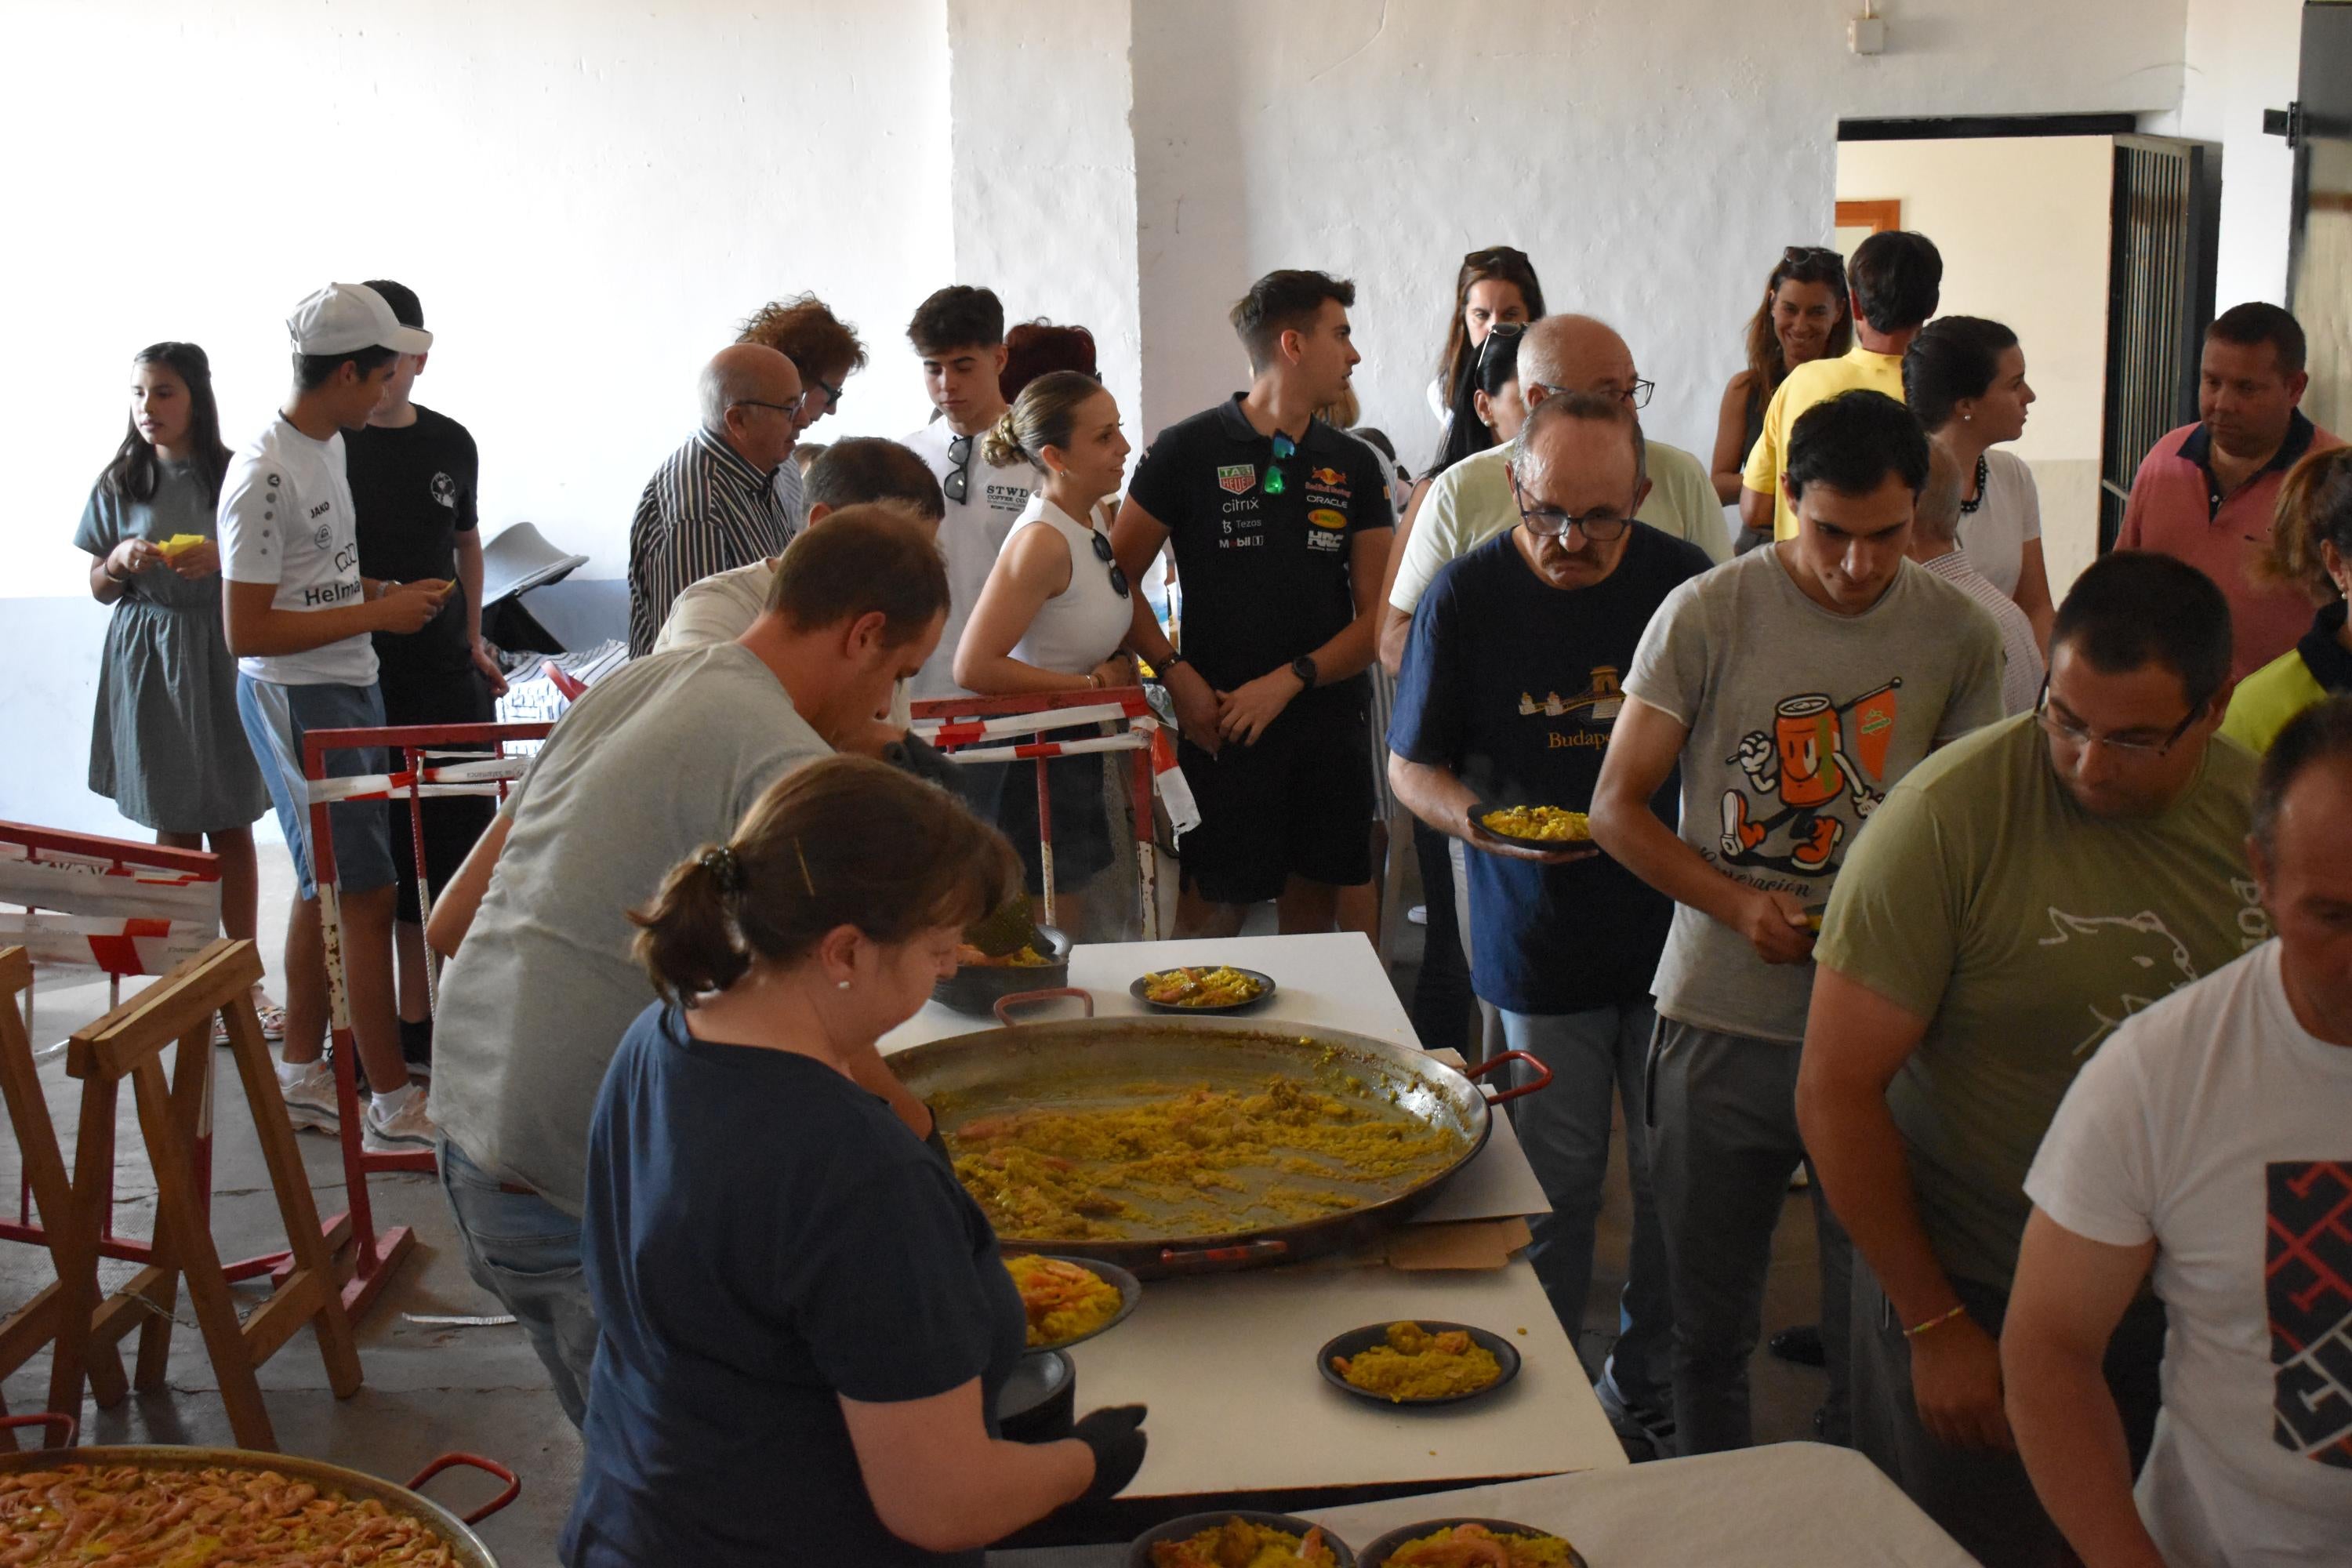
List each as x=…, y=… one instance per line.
x=446, y=1461
x=1543, y=1075
x=67, y=1427
x=1206, y=1258
x=1005, y=1004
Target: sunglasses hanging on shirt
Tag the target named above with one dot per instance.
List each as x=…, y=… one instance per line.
x=1103, y=554
x=958, y=484
x=1285, y=448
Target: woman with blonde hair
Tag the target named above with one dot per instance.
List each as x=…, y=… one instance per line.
x=1055, y=610
x=2311, y=547
x=797, y=1301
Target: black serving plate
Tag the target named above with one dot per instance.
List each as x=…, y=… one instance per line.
x=1138, y=1553
x=1131, y=1292
x=1355, y=1340
x=1377, y=1555
x=976, y=988
x=1484, y=808
x=1038, y=1404
x=1137, y=989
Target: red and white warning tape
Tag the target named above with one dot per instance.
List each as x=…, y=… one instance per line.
x=481, y=775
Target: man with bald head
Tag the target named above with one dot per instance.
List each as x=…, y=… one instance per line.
x=1509, y=691
x=1470, y=503
x=711, y=506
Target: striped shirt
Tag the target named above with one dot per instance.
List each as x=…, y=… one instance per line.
x=704, y=511
x=2020, y=674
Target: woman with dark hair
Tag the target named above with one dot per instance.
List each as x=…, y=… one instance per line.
x=1033, y=349
x=166, y=746
x=1494, y=286
x=2311, y=549
x=1805, y=315
x=803, y=1323
x=1965, y=378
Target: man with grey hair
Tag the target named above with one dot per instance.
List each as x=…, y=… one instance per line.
x=1470, y=503
x=1935, y=544
x=1509, y=691
x=712, y=506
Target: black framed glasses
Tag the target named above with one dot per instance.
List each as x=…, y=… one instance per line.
x=1103, y=554
x=1550, y=522
x=1500, y=332
x=958, y=484
x=2141, y=746
x=1285, y=448
x=832, y=395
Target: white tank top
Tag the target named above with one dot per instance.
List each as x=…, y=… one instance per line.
x=1084, y=624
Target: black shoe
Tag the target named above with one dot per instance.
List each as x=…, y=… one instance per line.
x=1801, y=1345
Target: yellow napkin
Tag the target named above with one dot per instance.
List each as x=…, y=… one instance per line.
x=179, y=541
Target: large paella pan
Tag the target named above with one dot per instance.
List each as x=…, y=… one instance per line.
x=396, y=1524
x=1173, y=1145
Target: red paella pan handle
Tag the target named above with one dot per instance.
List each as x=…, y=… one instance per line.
x=1005, y=1004
x=1205, y=1258
x=447, y=1461
x=65, y=1427
x=1543, y=1075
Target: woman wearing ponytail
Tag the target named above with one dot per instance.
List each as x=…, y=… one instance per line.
x=804, y=1322
x=1055, y=611
x=2311, y=547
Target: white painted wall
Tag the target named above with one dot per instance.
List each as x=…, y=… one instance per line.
x=2024, y=225
x=1044, y=172
x=2240, y=58
x=588, y=196
x=1653, y=158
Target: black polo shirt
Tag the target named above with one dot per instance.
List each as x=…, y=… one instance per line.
x=1263, y=563
x=2199, y=449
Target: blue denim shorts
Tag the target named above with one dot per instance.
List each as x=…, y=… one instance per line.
x=276, y=719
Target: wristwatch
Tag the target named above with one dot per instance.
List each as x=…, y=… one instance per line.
x=1171, y=662
x=1303, y=667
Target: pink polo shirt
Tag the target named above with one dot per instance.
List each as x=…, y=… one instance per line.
x=2178, y=507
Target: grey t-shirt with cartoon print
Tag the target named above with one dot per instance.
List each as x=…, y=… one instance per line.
x=1800, y=721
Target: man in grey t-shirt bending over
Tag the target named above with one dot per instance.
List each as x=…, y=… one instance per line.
x=1792, y=688
x=660, y=758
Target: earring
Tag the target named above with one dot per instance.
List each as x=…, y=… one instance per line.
x=844, y=986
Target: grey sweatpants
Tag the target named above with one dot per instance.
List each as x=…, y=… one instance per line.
x=1723, y=1143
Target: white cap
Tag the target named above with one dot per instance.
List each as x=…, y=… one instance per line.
x=343, y=318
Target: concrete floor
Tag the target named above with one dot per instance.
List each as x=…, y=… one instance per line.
x=430, y=1389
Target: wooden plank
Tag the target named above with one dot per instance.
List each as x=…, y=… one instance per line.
x=177, y=1205
x=73, y=1245
x=145, y=1024
x=314, y=1262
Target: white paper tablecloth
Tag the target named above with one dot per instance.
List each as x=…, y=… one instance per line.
x=1792, y=1505
x=1227, y=1361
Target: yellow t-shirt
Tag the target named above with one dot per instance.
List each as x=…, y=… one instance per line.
x=2266, y=699
x=1816, y=381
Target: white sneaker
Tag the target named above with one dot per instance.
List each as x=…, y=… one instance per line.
x=405, y=1129
x=311, y=1099
x=1418, y=915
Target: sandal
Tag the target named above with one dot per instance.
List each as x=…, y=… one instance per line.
x=272, y=1016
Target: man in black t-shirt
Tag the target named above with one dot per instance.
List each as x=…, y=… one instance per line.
x=1508, y=691
x=413, y=476
x=1281, y=527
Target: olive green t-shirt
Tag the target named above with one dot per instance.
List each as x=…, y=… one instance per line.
x=2025, y=929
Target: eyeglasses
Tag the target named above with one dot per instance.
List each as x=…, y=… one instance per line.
x=832, y=395
x=1811, y=255
x=1103, y=554
x=1285, y=448
x=755, y=403
x=1637, y=395
x=958, y=484
x=1500, y=332
x=1550, y=522
x=2138, y=745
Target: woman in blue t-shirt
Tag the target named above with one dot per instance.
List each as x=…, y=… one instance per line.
x=803, y=1321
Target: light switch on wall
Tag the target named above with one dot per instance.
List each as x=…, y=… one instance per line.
x=1866, y=35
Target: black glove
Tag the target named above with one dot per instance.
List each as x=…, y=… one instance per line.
x=1115, y=1436
x=918, y=757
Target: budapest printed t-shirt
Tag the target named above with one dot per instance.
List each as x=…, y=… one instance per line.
x=1800, y=721
x=286, y=519
x=1262, y=543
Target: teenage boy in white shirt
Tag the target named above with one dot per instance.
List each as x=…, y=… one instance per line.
x=300, y=618
x=2207, y=1148
x=959, y=331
